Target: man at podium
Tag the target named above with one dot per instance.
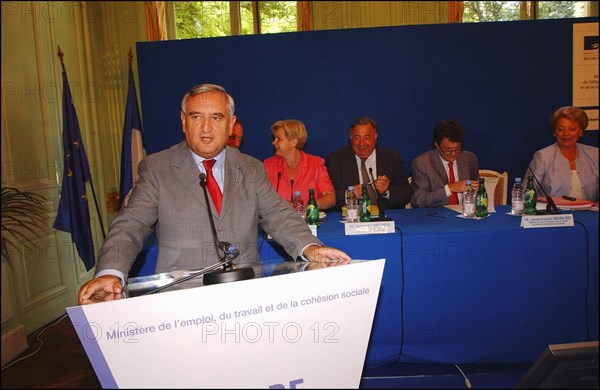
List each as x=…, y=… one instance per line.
x=170, y=199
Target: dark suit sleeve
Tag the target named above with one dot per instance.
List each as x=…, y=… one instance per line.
x=399, y=188
x=335, y=168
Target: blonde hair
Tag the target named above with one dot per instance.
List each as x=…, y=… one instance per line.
x=570, y=112
x=293, y=129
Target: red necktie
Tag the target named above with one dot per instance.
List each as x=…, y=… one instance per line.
x=211, y=184
x=453, y=196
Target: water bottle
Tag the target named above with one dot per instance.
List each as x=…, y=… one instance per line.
x=298, y=204
x=481, y=200
x=517, y=198
x=364, y=205
x=312, y=209
x=468, y=200
x=351, y=205
x=530, y=198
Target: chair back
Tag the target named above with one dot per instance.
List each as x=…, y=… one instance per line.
x=500, y=184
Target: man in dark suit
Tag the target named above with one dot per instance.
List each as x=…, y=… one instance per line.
x=168, y=199
x=439, y=175
x=382, y=164
x=237, y=134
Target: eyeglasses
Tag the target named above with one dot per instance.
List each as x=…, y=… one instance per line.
x=438, y=212
x=450, y=151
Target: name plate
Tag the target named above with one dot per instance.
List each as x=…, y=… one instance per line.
x=374, y=227
x=542, y=221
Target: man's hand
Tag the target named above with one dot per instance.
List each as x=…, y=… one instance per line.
x=358, y=190
x=382, y=183
x=311, y=265
x=100, y=289
x=459, y=186
x=326, y=254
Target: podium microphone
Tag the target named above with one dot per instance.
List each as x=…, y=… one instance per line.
x=230, y=252
x=380, y=198
x=193, y=274
x=550, y=205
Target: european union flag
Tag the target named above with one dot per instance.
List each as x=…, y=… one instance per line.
x=132, y=149
x=73, y=214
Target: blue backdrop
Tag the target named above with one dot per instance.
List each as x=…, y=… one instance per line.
x=501, y=80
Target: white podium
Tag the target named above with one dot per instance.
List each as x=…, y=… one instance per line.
x=298, y=329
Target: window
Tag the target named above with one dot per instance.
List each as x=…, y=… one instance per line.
x=203, y=19
x=277, y=16
x=496, y=11
x=562, y=9
x=491, y=11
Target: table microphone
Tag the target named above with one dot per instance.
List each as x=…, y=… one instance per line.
x=230, y=252
x=380, y=198
x=550, y=205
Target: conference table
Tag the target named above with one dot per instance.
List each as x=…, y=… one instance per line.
x=490, y=291
x=458, y=291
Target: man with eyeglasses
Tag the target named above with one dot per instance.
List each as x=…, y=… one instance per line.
x=439, y=175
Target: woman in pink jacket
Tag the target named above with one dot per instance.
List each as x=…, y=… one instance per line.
x=293, y=170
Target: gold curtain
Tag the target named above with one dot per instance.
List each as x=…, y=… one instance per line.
x=593, y=8
x=528, y=10
x=304, y=16
x=156, y=20
x=455, y=11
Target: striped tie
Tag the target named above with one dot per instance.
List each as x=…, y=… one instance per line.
x=365, y=177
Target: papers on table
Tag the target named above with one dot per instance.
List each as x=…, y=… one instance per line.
x=565, y=204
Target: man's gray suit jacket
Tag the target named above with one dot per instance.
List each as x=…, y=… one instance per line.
x=168, y=198
x=429, y=177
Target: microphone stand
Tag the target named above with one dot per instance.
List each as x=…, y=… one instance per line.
x=550, y=205
x=193, y=274
x=380, y=199
x=230, y=252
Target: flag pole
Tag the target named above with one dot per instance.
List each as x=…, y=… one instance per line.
x=61, y=56
x=132, y=146
x=97, y=209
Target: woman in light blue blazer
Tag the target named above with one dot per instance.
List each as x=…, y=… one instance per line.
x=567, y=167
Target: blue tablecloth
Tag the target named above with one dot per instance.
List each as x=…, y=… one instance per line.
x=489, y=291
x=473, y=291
x=386, y=337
